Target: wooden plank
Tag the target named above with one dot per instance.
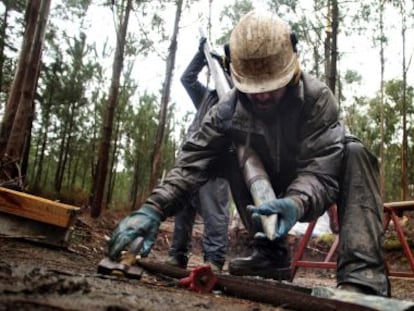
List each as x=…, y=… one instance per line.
x=37, y=208
x=400, y=205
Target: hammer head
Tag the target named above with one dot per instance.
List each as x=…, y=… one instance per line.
x=108, y=267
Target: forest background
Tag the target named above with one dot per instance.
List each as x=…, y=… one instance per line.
x=99, y=115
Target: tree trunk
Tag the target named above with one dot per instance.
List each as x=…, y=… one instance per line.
x=157, y=153
x=59, y=165
x=39, y=169
x=36, y=146
x=105, y=144
x=20, y=105
x=45, y=175
x=112, y=167
x=327, y=42
x=24, y=157
x=331, y=52
x=135, y=182
x=3, y=43
x=404, y=106
x=74, y=174
x=66, y=148
x=382, y=60
x=334, y=48
x=32, y=12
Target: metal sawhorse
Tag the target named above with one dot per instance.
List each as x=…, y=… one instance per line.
x=392, y=211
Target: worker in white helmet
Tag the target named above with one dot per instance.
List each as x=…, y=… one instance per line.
x=291, y=120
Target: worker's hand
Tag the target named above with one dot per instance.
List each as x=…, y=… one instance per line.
x=201, y=43
x=143, y=222
x=218, y=57
x=289, y=211
x=214, y=54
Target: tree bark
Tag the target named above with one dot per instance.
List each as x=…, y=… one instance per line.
x=105, y=144
x=59, y=168
x=3, y=43
x=112, y=167
x=404, y=186
x=20, y=105
x=382, y=63
x=331, y=49
x=135, y=183
x=32, y=12
x=39, y=168
x=157, y=153
x=334, y=48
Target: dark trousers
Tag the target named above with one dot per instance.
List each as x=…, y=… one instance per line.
x=212, y=201
x=360, y=214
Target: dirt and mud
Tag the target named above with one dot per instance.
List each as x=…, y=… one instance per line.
x=36, y=277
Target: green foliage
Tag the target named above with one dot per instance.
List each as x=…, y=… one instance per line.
x=392, y=244
x=76, y=8
x=352, y=76
x=277, y=6
x=363, y=118
x=230, y=15
x=14, y=5
x=326, y=239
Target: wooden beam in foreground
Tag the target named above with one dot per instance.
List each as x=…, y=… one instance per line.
x=37, y=208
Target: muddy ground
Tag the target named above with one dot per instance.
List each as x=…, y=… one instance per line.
x=36, y=277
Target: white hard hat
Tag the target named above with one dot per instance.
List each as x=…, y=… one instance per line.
x=262, y=54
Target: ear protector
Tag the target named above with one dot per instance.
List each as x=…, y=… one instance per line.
x=294, y=41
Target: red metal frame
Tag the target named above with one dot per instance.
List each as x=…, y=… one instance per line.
x=297, y=258
x=391, y=210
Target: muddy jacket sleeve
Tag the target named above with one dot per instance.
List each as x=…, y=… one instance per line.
x=189, y=79
x=320, y=154
x=199, y=153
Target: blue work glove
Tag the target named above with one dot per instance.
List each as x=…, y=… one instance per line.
x=143, y=222
x=289, y=212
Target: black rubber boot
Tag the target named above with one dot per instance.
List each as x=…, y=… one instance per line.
x=216, y=263
x=270, y=259
x=177, y=260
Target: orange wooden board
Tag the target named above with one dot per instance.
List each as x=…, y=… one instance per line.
x=36, y=208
